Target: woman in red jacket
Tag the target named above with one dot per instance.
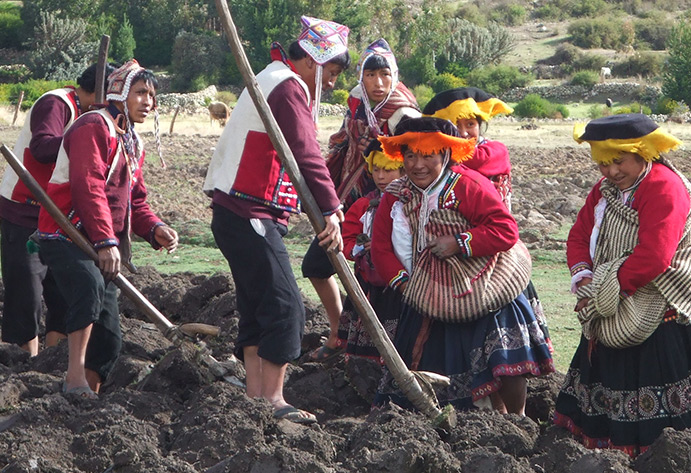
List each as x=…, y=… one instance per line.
x=629, y=257
x=444, y=238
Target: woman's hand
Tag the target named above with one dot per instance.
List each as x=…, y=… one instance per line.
x=444, y=246
x=581, y=304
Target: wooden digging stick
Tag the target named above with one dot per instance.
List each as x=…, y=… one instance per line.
x=407, y=382
x=100, y=94
x=169, y=330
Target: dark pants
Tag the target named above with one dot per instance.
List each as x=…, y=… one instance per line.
x=26, y=278
x=90, y=300
x=316, y=263
x=272, y=313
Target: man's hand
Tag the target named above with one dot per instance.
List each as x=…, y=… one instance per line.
x=166, y=237
x=109, y=262
x=444, y=246
x=330, y=238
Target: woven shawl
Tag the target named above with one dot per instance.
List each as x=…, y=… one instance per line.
x=458, y=289
x=621, y=323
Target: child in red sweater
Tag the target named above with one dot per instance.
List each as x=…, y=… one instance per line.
x=357, y=233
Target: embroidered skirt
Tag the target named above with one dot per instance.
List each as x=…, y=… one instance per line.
x=623, y=398
x=386, y=303
x=475, y=355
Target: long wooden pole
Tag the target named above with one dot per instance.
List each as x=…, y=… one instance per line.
x=142, y=303
x=404, y=377
x=100, y=94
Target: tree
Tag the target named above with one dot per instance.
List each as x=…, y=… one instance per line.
x=474, y=46
x=677, y=75
x=123, y=42
x=60, y=49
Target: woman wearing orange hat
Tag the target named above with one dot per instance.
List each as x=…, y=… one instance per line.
x=629, y=254
x=444, y=238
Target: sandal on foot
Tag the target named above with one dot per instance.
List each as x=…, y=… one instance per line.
x=83, y=392
x=293, y=414
x=325, y=353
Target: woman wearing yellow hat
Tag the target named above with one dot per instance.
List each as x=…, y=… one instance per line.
x=630, y=257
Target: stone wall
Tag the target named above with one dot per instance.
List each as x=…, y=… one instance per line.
x=627, y=91
x=195, y=103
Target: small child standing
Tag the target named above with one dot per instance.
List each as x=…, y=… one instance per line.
x=470, y=109
x=357, y=234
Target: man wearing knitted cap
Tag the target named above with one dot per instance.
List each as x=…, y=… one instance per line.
x=98, y=184
x=253, y=198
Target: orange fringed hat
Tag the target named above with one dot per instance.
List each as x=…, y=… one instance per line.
x=624, y=133
x=427, y=135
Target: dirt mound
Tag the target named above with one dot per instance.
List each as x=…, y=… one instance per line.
x=161, y=412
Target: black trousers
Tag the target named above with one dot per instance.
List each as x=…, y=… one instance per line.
x=272, y=313
x=90, y=300
x=27, y=280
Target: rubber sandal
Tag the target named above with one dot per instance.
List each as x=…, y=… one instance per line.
x=83, y=392
x=325, y=353
x=295, y=415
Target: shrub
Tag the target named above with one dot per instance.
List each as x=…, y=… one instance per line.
x=534, y=106
x=589, y=62
x=498, y=79
x=417, y=69
x=11, y=25
x=644, y=64
x=227, y=97
x=677, y=83
x=446, y=81
x=610, y=33
x=586, y=78
x=473, y=46
x=653, y=31
x=197, y=61
x=597, y=111
x=633, y=108
x=33, y=89
x=423, y=93
x=339, y=96
x=509, y=14
x=14, y=73
x=60, y=49
x=566, y=53
x=666, y=106
x=471, y=12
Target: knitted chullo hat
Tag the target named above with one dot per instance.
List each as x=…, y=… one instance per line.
x=120, y=80
x=323, y=41
x=628, y=133
x=378, y=48
x=465, y=102
x=119, y=83
x=427, y=135
x=374, y=156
